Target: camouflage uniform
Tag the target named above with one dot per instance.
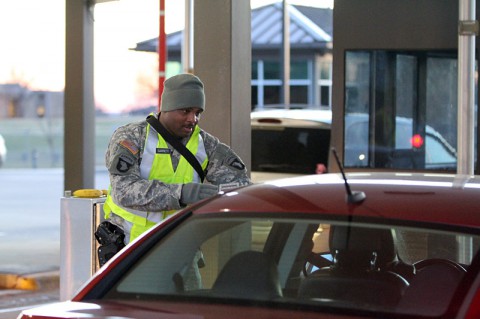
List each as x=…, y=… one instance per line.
x=130, y=190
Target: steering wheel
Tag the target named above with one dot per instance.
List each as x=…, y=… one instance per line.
x=419, y=265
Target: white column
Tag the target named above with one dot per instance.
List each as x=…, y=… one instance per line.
x=468, y=28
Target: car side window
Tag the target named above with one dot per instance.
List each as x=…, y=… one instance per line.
x=319, y=262
x=217, y=250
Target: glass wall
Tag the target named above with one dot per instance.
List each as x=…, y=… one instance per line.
x=401, y=110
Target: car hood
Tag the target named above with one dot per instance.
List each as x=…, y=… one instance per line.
x=160, y=310
x=98, y=310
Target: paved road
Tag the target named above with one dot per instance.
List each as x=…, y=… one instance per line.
x=12, y=302
x=30, y=215
x=30, y=232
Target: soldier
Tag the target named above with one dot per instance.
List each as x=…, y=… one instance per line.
x=149, y=178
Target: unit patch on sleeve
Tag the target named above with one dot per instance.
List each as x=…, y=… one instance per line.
x=236, y=163
x=129, y=146
x=124, y=163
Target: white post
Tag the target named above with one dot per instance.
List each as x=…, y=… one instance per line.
x=468, y=28
x=187, y=45
x=286, y=53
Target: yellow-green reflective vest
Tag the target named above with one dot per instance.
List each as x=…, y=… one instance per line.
x=158, y=166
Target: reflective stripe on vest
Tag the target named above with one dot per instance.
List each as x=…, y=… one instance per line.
x=158, y=166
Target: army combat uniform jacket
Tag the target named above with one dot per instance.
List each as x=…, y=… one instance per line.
x=131, y=191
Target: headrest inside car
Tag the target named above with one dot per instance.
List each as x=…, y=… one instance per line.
x=361, y=240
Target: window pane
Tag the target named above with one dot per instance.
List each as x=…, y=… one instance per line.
x=254, y=96
x=271, y=70
x=299, y=94
x=271, y=94
x=254, y=70
x=357, y=84
x=406, y=96
x=299, y=70
x=324, y=95
x=325, y=71
x=357, y=102
x=442, y=98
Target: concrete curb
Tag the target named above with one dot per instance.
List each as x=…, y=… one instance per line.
x=33, y=282
x=48, y=280
x=47, y=290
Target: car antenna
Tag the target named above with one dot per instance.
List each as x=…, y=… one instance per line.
x=354, y=197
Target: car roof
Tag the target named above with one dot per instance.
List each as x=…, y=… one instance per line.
x=431, y=198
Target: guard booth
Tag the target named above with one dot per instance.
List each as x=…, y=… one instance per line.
x=395, y=88
x=395, y=82
x=79, y=218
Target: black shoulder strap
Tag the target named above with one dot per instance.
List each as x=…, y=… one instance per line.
x=155, y=123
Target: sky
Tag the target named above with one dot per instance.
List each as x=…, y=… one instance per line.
x=32, y=34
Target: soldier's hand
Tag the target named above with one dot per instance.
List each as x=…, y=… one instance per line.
x=193, y=192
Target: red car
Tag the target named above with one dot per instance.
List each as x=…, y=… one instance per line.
x=379, y=245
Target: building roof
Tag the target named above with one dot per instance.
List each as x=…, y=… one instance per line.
x=310, y=27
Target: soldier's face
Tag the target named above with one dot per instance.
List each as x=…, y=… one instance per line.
x=181, y=123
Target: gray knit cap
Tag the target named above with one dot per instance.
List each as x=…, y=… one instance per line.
x=182, y=91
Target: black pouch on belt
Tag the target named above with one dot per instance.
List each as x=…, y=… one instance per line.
x=111, y=240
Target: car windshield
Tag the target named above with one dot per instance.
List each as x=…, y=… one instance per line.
x=299, y=260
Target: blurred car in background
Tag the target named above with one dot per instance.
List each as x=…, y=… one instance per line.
x=410, y=151
x=387, y=246
x=3, y=151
